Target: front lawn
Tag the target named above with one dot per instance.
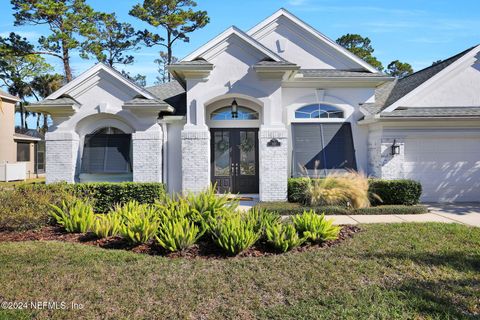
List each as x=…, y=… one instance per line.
x=394, y=271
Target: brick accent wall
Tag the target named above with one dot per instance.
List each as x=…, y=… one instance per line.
x=195, y=160
x=147, y=155
x=61, y=156
x=273, y=165
x=381, y=162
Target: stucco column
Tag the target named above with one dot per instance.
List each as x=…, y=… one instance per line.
x=147, y=155
x=195, y=159
x=273, y=153
x=61, y=156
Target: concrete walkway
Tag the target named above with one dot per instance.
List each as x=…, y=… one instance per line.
x=464, y=213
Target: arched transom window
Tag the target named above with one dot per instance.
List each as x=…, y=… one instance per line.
x=225, y=113
x=317, y=111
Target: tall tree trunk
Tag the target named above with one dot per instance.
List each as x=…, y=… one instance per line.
x=66, y=63
x=169, y=52
x=45, y=124
x=38, y=121
x=22, y=116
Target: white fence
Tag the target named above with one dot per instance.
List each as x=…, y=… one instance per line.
x=13, y=171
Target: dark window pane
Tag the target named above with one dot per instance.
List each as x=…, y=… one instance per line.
x=23, y=151
x=106, y=153
x=226, y=114
x=319, y=146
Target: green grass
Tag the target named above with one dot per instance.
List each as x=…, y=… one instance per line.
x=395, y=271
x=12, y=184
x=290, y=208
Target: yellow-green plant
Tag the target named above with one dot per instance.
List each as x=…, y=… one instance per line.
x=263, y=218
x=315, y=227
x=177, y=231
x=235, y=233
x=107, y=225
x=178, y=234
x=74, y=215
x=208, y=204
x=140, y=222
x=283, y=236
x=350, y=189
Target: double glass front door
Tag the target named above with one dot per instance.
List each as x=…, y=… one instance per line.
x=235, y=160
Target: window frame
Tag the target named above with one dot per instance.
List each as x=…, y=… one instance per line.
x=252, y=111
x=297, y=120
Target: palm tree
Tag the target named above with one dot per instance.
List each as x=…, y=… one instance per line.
x=43, y=86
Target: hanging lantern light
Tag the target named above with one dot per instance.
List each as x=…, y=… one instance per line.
x=395, y=148
x=234, y=107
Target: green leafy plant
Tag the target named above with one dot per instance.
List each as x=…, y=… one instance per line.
x=395, y=192
x=314, y=227
x=107, y=225
x=75, y=215
x=235, y=233
x=263, y=218
x=140, y=222
x=177, y=231
x=283, y=236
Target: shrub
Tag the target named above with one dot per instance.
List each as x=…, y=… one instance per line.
x=391, y=192
x=315, y=227
x=297, y=189
x=398, y=192
x=74, y=216
x=176, y=231
x=28, y=209
x=106, y=195
x=235, y=233
x=349, y=189
x=283, y=236
x=140, y=222
x=107, y=225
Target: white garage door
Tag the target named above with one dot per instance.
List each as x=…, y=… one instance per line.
x=449, y=169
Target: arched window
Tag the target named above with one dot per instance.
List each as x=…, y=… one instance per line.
x=225, y=113
x=318, y=111
x=107, y=150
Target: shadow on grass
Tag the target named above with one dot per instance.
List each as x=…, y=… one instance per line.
x=457, y=260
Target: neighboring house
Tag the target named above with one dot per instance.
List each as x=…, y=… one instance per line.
x=250, y=109
x=18, y=152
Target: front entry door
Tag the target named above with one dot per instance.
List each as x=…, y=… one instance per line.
x=235, y=160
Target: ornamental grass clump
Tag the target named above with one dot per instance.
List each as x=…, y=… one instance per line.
x=140, y=222
x=107, y=225
x=263, y=218
x=74, y=215
x=349, y=190
x=177, y=232
x=236, y=232
x=314, y=227
x=283, y=236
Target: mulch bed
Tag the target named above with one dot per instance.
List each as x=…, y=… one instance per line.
x=204, y=249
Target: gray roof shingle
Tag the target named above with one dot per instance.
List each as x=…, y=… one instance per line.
x=433, y=112
x=410, y=82
x=172, y=93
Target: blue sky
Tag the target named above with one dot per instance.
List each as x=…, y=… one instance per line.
x=413, y=31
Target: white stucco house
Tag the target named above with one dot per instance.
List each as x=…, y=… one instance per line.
x=249, y=109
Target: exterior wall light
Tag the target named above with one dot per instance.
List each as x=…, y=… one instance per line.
x=395, y=148
x=234, y=109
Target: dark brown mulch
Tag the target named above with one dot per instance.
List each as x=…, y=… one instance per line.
x=204, y=249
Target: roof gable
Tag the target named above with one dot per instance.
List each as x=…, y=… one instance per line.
x=409, y=85
x=216, y=43
x=310, y=38
x=93, y=71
